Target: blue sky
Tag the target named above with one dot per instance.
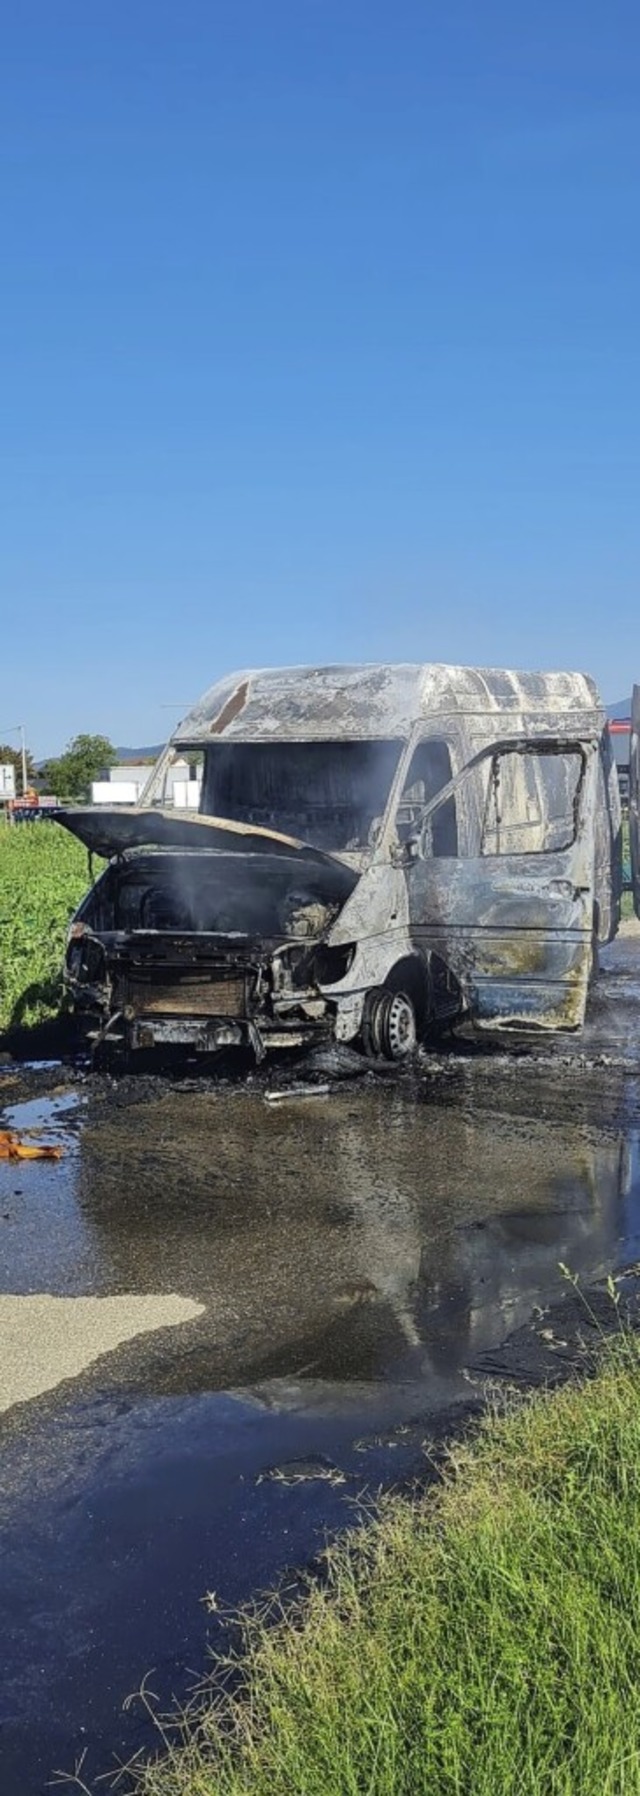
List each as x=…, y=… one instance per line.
x=320, y=337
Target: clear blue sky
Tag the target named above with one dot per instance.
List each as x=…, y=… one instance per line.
x=320, y=327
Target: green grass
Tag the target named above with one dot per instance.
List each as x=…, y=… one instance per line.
x=43, y=874
x=481, y=1641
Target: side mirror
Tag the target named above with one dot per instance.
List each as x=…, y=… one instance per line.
x=403, y=853
x=418, y=847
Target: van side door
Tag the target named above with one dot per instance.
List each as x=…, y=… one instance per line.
x=500, y=869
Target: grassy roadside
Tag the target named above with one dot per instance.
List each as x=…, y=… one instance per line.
x=479, y=1641
x=43, y=874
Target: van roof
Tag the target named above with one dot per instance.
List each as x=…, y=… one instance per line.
x=377, y=700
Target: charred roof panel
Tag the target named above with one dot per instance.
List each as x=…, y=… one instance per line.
x=316, y=703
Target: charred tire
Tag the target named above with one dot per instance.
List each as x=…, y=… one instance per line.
x=389, y=1026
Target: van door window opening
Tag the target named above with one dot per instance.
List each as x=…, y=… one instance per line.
x=532, y=801
x=428, y=773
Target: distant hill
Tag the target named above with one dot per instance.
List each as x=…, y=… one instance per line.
x=140, y=754
x=621, y=709
x=123, y=754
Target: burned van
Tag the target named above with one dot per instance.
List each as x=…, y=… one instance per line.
x=380, y=852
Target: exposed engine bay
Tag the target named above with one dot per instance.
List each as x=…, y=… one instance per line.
x=206, y=949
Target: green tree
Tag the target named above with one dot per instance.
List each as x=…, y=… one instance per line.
x=84, y=759
x=14, y=755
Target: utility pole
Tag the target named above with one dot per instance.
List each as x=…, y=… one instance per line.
x=18, y=729
x=24, y=757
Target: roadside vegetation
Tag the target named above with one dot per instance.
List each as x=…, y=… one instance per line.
x=43, y=874
x=86, y=758
x=480, y=1640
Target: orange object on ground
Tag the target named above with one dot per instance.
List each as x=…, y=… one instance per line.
x=12, y=1148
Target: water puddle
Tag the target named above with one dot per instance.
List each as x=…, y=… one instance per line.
x=45, y=1116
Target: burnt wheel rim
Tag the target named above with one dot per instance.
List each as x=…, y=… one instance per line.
x=398, y=1026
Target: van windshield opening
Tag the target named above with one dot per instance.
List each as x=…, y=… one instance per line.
x=331, y=794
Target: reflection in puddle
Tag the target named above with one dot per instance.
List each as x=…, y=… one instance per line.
x=373, y=1240
x=43, y=1115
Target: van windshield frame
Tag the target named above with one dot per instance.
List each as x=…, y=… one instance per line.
x=333, y=794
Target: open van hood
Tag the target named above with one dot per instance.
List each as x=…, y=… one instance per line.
x=110, y=829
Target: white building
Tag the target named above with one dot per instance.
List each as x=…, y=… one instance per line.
x=127, y=779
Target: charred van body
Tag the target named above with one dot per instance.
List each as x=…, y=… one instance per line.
x=379, y=852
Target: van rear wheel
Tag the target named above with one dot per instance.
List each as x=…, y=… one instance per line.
x=389, y=1027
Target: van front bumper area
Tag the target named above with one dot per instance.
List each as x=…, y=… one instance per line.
x=144, y=992
x=211, y=1035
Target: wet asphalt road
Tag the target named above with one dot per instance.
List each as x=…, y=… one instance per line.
x=287, y=1298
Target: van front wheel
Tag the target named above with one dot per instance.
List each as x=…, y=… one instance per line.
x=389, y=1028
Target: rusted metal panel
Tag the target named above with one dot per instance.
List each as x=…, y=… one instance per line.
x=187, y=996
